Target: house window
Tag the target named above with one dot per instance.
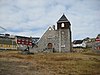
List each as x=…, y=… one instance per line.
x=22, y=42
x=1, y=45
x=14, y=46
x=9, y=45
x=62, y=25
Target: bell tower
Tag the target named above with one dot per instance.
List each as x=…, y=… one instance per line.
x=64, y=34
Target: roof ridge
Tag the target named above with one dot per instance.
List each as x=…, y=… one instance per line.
x=63, y=19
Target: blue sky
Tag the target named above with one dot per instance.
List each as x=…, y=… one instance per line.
x=33, y=17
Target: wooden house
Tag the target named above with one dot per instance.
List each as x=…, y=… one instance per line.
x=89, y=42
x=23, y=42
x=98, y=38
x=7, y=43
x=97, y=42
x=79, y=44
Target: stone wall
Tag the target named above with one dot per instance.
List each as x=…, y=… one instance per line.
x=50, y=36
x=65, y=41
x=60, y=40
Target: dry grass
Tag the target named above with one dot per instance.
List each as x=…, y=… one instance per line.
x=14, y=63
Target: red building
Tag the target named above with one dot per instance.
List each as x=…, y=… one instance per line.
x=22, y=40
x=98, y=38
x=98, y=42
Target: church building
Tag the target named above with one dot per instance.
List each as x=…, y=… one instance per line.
x=56, y=40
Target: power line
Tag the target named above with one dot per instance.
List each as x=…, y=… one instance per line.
x=3, y=28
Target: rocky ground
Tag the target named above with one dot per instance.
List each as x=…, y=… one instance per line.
x=84, y=63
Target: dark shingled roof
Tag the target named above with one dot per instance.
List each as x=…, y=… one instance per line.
x=23, y=37
x=98, y=34
x=63, y=19
x=77, y=41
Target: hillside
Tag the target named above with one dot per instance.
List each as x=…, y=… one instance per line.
x=14, y=63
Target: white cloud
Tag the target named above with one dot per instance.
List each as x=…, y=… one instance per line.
x=25, y=17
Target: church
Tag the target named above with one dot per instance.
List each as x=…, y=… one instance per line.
x=56, y=40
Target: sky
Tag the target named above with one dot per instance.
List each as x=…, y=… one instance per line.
x=33, y=17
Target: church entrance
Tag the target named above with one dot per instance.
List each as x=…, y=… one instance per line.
x=50, y=45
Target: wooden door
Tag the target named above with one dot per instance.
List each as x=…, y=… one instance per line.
x=50, y=45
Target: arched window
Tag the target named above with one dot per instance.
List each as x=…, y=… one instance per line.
x=62, y=25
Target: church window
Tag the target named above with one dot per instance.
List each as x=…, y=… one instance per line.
x=62, y=25
x=63, y=46
x=50, y=28
x=62, y=32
